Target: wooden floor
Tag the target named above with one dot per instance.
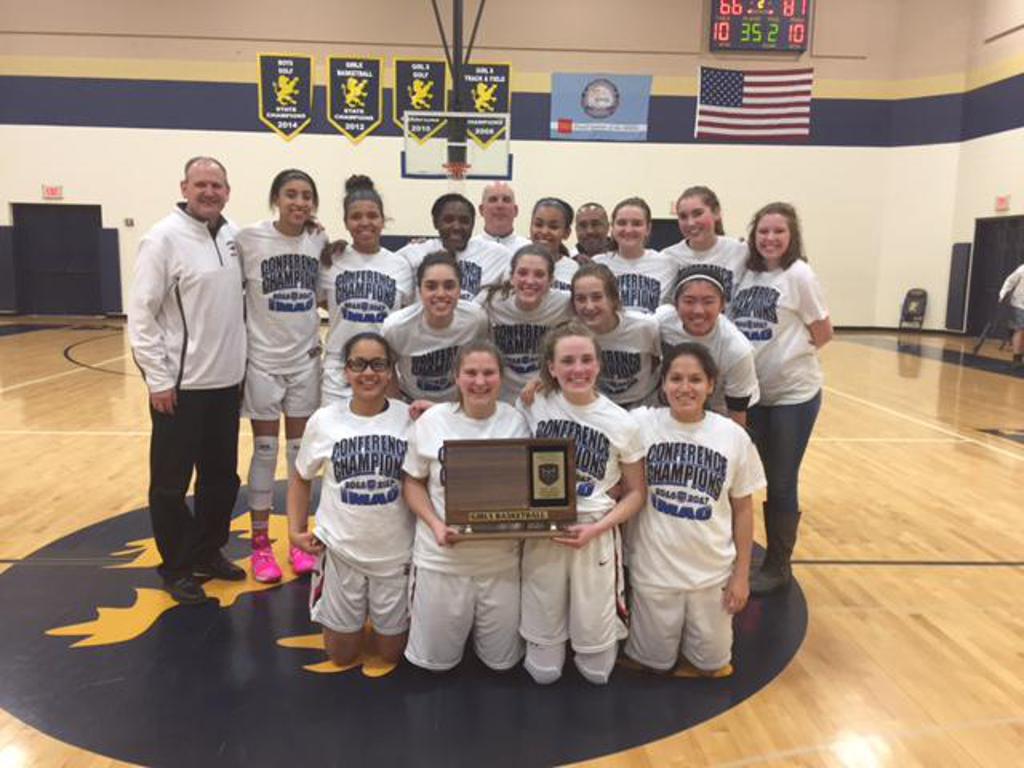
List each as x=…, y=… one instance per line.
x=911, y=556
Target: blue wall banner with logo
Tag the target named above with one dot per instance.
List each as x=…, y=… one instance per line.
x=286, y=93
x=355, y=91
x=599, y=107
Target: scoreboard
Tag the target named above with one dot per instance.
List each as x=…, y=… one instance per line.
x=760, y=25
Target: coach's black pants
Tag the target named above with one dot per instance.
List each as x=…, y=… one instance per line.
x=202, y=434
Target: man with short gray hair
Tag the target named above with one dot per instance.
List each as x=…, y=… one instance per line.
x=187, y=334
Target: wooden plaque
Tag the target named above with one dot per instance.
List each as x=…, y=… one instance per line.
x=518, y=488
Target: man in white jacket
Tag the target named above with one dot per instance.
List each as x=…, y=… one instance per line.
x=187, y=334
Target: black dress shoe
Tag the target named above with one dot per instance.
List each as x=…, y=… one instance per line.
x=186, y=590
x=219, y=567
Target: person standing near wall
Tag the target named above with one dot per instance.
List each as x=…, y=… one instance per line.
x=780, y=307
x=1012, y=292
x=499, y=209
x=187, y=333
x=592, y=229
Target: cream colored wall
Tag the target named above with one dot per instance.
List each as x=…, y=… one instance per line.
x=877, y=221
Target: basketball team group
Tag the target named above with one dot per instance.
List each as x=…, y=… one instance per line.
x=688, y=379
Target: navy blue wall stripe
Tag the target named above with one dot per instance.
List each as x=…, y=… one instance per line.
x=232, y=107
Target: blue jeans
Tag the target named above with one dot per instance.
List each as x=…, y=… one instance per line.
x=781, y=434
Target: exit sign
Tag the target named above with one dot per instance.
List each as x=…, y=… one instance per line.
x=53, y=192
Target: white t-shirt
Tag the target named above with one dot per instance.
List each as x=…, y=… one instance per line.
x=1014, y=286
x=280, y=273
x=732, y=353
x=426, y=356
x=511, y=242
x=606, y=437
x=449, y=422
x=629, y=359
x=517, y=333
x=361, y=291
x=773, y=310
x=362, y=516
x=644, y=283
x=565, y=269
x=482, y=263
x=726, y=261
x=682, y=538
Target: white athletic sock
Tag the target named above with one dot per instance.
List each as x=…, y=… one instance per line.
x=597, y=667
x=544, y=662
x=261, y=472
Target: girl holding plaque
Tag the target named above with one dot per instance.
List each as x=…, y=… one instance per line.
x=280, y=262
x=704, y=246
x=645, y=277
x=426, y=336
x=471, y=586
x=364, y=530
x=572, y=585
x=697, y=316
x=630, y=345
x=689, y=556
x=551, y=225
x=362, y=285
x=521, y=310
x=780, y=307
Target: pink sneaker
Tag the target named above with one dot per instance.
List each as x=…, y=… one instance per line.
x=264, y=566
x=302, y=562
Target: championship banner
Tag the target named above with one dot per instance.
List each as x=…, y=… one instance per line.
x=286, y=93
x=485, y=88
x=354, y=95
x=420, y=86
x=599, y=107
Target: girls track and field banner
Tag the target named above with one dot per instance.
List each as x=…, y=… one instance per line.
x=599, y=107
x=286, y=93
x=485, y=90
x=355, y=89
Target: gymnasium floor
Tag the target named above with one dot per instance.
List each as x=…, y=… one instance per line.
x=911, y=558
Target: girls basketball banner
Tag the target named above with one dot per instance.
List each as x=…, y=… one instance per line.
x=354, y=95
x=286, y=93
x=599, y=107
x=420, y=87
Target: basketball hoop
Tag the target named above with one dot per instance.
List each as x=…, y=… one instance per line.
x=457, y=171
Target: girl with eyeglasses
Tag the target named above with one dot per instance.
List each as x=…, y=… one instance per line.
x=364, y=531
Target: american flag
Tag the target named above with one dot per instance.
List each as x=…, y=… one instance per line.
x=736, y=104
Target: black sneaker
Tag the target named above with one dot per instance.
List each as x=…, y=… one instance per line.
x=766, y=580
x=219, y=567
x=186, y=591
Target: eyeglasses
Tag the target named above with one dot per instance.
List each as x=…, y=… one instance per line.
x=360, y=364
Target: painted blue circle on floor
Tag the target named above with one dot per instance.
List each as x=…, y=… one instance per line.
x=204, y=685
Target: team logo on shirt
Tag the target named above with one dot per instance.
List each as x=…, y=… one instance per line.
x=364, y=296
x=619, y=371
x=639, y=291
x=518, y=343
x=685, y=479
x=755, y=311
x=433, y=370
x=368, y=469
x=289, y=282
x=593, y=449
x=472, y=277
